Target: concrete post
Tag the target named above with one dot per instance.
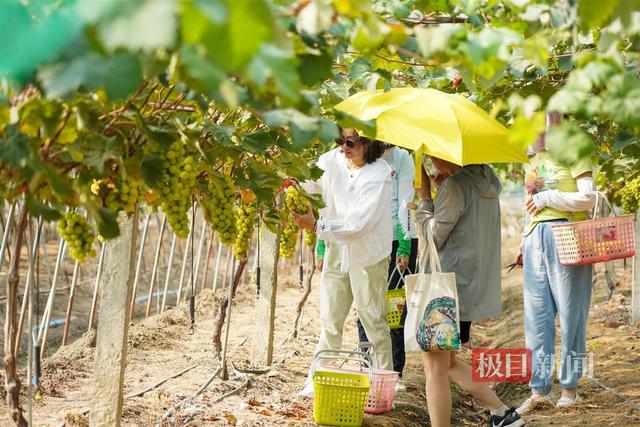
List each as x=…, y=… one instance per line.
x=113, y=325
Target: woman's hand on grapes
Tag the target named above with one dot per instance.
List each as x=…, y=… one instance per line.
x=288, y=183
x=319, y=264
x=306, y=221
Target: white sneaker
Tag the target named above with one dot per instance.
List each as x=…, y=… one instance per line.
x=567, y=401
x=528, y=404
x=307, y=391
x=400, y=386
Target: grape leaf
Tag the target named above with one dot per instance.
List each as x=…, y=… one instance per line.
x=119, y=75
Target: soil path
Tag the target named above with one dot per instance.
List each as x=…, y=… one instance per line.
x=160, y=346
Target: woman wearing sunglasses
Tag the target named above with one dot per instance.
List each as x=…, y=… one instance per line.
x=357, y=229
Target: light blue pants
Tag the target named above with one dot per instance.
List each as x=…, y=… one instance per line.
x=549, y=289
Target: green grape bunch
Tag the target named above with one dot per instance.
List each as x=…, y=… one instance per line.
x=245, y=221
x=288, y=240
x=123, y=195
x=76, y=231
x=176, y=186
x=630, y=195
x=296, y=202
x=218, y=207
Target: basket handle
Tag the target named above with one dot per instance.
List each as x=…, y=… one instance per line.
x=340, y=353
x=600, y=195
x=397, y=268
x=367, y=348
x=318, y=357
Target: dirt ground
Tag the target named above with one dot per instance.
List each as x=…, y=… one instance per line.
x=160, y=346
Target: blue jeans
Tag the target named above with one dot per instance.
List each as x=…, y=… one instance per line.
x=549, y=289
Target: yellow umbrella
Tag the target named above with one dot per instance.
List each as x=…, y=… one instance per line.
x=437, y=123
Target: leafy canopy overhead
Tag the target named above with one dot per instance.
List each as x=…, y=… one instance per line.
x=97, y=91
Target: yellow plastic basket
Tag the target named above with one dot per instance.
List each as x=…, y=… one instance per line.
x=339, y=398
x=396, y=303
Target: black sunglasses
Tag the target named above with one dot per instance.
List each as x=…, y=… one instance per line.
x=349, y=142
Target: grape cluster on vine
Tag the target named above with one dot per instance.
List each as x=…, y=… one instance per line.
x=630, y=195
x=76, y=231
x=123, y=195
x=219, y=205
x=246, y=218
x=176, y=186
x=295, y=202
x=288, y=240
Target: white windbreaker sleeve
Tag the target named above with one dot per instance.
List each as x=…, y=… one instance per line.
x=367, y=212
x=582, y=200
x=406, y=192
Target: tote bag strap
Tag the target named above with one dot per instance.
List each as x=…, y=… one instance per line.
x=431, y=253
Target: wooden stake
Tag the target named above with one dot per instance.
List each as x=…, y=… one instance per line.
x=145, y=228
x=217, y=267
x=96, y=286
x=183, y=269
x=205, y=274
x=11, y=381
x=72, y=295
x=52, y=293
x=154, y=270
x=5, y=234
x=168, y=276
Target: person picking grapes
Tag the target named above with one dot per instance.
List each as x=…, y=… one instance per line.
x=357, y=229
x=404, y=249
x=556, y=193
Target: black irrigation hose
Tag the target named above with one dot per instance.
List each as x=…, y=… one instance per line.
x=258, y=258
x=192, y=298
x=301, y=268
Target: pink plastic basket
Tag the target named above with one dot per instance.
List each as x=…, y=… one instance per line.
x=595, y=240
x=382, y=391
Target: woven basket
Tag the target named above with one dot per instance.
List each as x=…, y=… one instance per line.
x=595, y=240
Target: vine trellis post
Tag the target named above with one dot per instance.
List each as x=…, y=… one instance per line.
x=113, y=325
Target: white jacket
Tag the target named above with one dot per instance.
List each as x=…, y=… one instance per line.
x=357, y=214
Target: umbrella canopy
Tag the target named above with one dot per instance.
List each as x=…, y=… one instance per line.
x=440, y=124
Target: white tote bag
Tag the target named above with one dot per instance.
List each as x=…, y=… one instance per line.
x=433, y=318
